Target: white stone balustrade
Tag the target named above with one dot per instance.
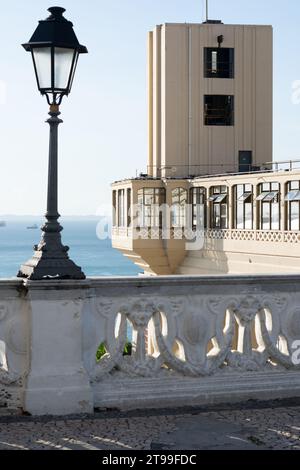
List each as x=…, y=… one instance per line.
x=195, y=340
x=14, y=337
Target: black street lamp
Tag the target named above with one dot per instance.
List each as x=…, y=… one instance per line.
x=55, y=50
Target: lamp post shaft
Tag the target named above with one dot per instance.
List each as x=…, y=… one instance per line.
x=52, y=199
x=51, y=259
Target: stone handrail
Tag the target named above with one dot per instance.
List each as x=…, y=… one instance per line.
x=13, y=342
x=193, y=340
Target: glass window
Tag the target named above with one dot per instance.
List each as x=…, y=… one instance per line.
x=275, y=222
x=221, y=198
x=293, y=195
x=268, y=204
x=218, y=110
x=219, y=212
x=266, y=187
x=294, y=216
x=218, y=62
x=114, y=202
x=198, y=201
x=292, y=200
x=266, y=216
x=262, y=196
x=293, y=185
x=214, y=62
x=248, y=216
x=271, y=196
x=150, y=201
x=244, y=197
x=243, y=204
x=179, y=207
x=121, y=208
x=128, y=207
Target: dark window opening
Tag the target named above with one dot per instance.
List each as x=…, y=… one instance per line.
x=245, y=161
x=218, y=62
x=218, y=110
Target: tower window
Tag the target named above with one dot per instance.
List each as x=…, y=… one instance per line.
x=218, y=110
x=218, y=62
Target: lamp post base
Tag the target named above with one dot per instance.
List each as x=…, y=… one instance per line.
x=37, y=269
x=50, y=259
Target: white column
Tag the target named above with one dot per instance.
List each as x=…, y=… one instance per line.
x=57, y=383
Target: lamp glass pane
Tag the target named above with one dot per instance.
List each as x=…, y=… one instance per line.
x=63, y=64
x=74, y=69
x=42, y=58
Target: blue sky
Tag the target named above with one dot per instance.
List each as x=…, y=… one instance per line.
x=104, y=135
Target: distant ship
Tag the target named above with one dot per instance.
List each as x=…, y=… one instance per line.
x=32, y=227
x=2, y=223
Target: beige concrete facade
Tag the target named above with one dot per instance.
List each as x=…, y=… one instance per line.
x=224, y=251
x=196, y=142
x=180, y=144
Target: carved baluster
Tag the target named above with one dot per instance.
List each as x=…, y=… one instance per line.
x=140, y=315
x=245, y=311
x=139, y=344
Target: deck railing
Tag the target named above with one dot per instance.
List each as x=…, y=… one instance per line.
x=155, y=233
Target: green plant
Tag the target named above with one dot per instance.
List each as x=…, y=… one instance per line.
x=101, y=351
x=128, y=349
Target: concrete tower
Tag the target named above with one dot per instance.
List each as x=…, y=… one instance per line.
x=210, y=98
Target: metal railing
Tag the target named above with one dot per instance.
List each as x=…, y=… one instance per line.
x=221, y=169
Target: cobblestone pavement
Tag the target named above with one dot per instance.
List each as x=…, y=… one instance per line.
x=229, y=429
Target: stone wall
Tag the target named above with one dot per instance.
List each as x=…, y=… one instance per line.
x=195, y=340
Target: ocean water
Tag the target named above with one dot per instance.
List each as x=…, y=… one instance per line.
x=96, y=257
